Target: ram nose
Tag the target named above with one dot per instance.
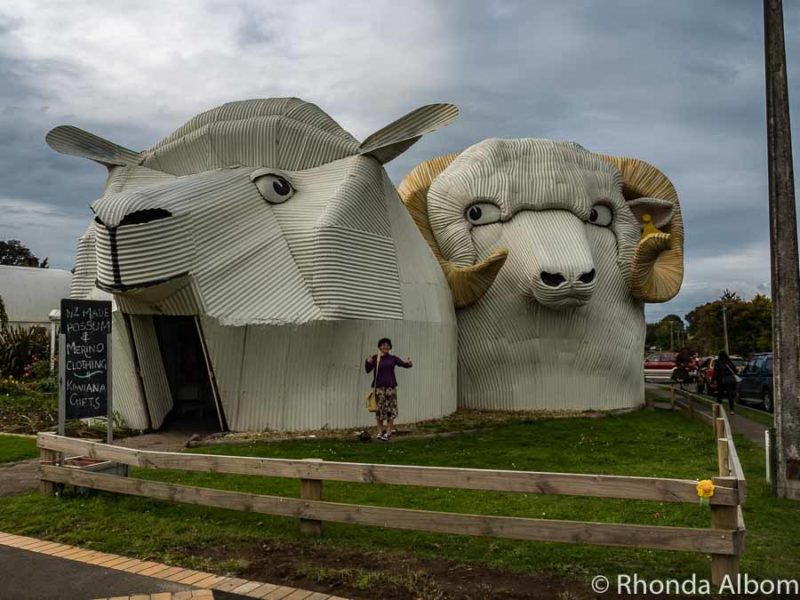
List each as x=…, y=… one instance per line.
x=564, y=288
x=556, y=280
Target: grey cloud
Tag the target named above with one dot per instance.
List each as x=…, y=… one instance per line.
x=680, y=84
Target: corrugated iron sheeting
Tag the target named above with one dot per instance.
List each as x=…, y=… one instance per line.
x=150, y=252
x=85, y=265
x=356, y=275
x=312, y=376
x=293, y=108
x=178, y=297
x=408, y=128
x=77, y=142
x=275, y=131
x=154, y=377
x=225, y=349
x=127, y=399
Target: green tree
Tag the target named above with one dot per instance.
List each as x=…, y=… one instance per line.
x=659, y=336
x=749, y=325
x=12, y=252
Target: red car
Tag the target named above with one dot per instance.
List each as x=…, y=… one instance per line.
x=659, y=366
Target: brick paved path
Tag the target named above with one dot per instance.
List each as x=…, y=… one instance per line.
x=32, y=569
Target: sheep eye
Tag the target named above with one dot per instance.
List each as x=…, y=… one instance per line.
x=274, y=188
x=601, y=215
x=483, y=213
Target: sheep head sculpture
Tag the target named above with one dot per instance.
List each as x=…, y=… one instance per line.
x=280, y=234
x=248, y=213
x=550, y=251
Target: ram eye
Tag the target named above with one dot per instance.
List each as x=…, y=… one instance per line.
x=274, y=188
x=482, y=213
x=601, y=215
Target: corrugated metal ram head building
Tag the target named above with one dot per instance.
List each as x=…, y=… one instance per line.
x=550, y=251
x=255, y=256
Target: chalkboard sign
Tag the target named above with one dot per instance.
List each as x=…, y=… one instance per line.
x=85, y=327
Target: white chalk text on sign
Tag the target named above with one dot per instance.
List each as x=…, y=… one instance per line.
x=86, y=325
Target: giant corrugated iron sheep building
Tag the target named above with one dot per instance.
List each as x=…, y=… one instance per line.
x=550, y=251
x=283, y=242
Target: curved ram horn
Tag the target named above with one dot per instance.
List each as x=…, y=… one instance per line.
x=467, y=284
x=657, y=269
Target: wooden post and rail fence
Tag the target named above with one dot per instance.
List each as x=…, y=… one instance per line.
x=724, y=540
x=730, y=475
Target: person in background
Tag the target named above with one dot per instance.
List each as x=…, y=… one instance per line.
x=385, y=384
x=682, y=367
x=727, y=380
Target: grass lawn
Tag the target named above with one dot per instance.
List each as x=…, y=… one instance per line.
x=15, y=447
x=644, y=443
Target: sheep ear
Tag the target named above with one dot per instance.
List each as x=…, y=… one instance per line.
x=397, y=137
x=74, y=141
x=660, y=211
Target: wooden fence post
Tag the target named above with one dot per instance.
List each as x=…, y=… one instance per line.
x=723, y=457
x=727, y=518
x=672, y=398
x=689, y=405
x=719, y=430
x=47, y=457
x=311, y=489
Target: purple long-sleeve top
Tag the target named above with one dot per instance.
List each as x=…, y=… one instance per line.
x=385, y=375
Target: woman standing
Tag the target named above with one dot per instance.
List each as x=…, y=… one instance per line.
x=725, y=374
x=385, y=385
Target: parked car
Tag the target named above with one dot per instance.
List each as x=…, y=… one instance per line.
x=659, y=366
x=756, y=382
x=706, y=383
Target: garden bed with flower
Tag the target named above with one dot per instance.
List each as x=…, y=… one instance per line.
x=28, y=405
x=28, y=389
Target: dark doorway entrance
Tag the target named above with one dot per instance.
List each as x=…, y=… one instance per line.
x=195, y=404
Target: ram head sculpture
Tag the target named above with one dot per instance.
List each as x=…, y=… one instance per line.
x=550, y=252
x=270, y=233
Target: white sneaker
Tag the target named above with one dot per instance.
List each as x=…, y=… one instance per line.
x=383, y=437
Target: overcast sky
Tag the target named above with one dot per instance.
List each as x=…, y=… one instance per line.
x=679, y=84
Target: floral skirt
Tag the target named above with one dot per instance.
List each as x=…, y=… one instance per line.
x=387, y=403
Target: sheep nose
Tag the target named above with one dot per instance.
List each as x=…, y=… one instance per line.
x=147, y=215
x=552, y=279
x=587, y=277
x=138, y=217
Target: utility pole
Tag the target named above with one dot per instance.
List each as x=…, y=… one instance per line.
x=725, y=328
x=784, y=257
